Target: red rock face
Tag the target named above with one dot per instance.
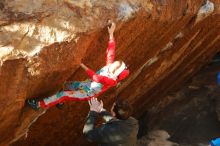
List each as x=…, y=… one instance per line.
x=163, y=43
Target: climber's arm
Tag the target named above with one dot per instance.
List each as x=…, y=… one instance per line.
x=110, y=51
x=84, y=66
x=100, y=79
x=89, y=71
x=123, y=75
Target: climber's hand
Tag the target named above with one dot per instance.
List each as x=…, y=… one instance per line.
x=84, y=66
x=111, y=29
x=95, y=105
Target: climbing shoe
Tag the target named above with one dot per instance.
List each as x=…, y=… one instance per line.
x=60, y=105
x=33, y=103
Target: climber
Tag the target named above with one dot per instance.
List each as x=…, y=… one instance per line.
x=215, y=142
x=108, y=76
x=119, y=127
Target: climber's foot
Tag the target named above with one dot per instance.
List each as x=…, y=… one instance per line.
x=60, y=105
x=33, y=103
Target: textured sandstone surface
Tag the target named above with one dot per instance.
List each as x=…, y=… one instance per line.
x=163, y=42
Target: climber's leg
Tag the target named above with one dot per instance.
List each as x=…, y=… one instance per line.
x=73, y=85
x=81, y=91
x=80, y=94
x=53, y=100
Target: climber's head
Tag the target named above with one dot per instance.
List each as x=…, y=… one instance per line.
x=116, y=68
x=121, y=110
